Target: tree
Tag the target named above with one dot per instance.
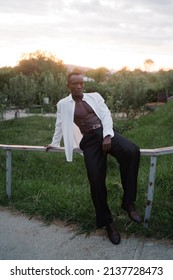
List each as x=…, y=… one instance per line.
x=33, y=64
x=148, y=64
x=166, y=78
x=128, y=93
x=3, y=104
x=53, y=87
x=20, y=92
x=99, y=75
x=5, y=74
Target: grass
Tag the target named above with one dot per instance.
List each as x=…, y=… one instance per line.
x=45, y=185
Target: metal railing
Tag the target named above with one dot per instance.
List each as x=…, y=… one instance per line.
x=153, y=153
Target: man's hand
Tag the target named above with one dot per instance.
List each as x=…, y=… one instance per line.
x=48, y=147
x=106, y=144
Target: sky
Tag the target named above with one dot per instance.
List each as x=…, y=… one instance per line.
x=92, y=33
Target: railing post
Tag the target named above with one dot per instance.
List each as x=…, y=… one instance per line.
x=150, y=193
x=8, y=173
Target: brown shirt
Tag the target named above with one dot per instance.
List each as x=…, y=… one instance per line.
x=84, y=116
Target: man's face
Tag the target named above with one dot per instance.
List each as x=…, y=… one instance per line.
x=76, y=85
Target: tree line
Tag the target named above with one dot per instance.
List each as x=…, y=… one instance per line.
x=40, y=75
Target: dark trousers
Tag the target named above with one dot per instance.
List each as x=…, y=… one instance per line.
x=128, y=156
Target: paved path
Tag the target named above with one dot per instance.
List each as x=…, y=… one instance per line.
x=11, y=114
x=22, y=238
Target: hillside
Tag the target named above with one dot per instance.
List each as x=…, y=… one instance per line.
x=155, y=129
x=82, y=69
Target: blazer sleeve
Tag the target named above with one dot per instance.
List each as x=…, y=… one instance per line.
x=106, y=117
x=56, y=140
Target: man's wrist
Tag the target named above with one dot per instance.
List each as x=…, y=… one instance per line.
x=108, y=136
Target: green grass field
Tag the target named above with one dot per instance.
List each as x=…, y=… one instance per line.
x=45, y=185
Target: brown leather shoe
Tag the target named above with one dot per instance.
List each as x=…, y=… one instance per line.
x=113, y=234
x=131, y=210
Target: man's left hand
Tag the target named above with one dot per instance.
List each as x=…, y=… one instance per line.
x=106, y=144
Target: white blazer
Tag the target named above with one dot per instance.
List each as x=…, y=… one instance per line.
x=65, y=127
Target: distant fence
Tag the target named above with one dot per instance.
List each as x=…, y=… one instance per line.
x=153, y=153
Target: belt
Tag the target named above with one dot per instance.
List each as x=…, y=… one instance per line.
x=94, y=126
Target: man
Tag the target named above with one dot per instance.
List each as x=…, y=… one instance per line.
x=90, y=114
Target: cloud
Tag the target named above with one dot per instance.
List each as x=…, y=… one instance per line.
x=114, y=20
x=138, y=25
x=38, y=7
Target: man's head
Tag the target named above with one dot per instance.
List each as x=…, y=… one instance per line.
x=75, y=83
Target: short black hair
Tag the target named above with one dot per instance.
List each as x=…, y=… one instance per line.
x=73, y=74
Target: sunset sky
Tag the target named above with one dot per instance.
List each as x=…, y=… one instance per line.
x=92, y=33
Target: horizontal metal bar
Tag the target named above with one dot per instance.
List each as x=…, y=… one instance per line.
x=157, y=151
x=35, y=148
x=144, y=152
